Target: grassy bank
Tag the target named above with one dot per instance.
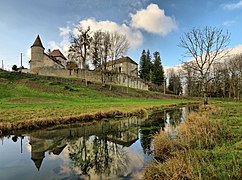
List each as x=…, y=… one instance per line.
x=208, y=146
x=28, y=101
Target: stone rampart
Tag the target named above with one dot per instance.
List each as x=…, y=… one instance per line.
x=96, y=77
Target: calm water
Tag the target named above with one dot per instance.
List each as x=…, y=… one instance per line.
x=111, y=149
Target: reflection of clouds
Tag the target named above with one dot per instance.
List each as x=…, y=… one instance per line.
x=28, y=146
x=170, y=129
x=53, y=157
x=65, y=167
x=134, y=160
x=138, y=175
x=184, y=113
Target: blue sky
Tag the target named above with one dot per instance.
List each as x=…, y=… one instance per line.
x=149, y=24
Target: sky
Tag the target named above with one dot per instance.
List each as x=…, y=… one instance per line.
x=156, y=25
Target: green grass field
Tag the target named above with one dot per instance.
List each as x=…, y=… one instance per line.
x=26, y=98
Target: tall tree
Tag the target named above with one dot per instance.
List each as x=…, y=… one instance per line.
x=97, y=48
x=204, y=46
x=175, y=82
x=149, y=67
x=146, y=66
x=119, y=45
x=142, y=65
x=80, y=46
x=158, y=72
x=235, y=68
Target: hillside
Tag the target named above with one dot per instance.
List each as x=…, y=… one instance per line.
x=26, y=97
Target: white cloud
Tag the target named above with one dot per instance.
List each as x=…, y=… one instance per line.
x=135, y=37
x=232, y=6
x=229, y=23
x=28, y=53
x=153, y=20
x=64, y=45
x=64, y=31
x=53, y=45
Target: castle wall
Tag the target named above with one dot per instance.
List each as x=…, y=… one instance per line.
x=47, y=61
x=126, y=67
x=96, y=77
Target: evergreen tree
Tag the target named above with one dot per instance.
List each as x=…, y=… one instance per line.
x=158, y=72
x=146, y=66
x=175, y=84
x=150, y=66
x=142, y=64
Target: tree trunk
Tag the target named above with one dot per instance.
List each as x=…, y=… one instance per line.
x=110, y=83
x=204, y=90
x=85, y=77
x=205, y=98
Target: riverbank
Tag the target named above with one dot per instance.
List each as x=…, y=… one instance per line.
x=208, y=146
x=31, y=101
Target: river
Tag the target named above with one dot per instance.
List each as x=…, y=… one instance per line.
x=106, y=149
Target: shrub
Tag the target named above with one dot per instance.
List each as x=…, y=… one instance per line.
x=164, y=146
x=200, y=132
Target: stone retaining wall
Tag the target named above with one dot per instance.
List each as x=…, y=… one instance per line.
x=96, y=77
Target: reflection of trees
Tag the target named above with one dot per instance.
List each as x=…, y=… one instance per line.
x=157, y=120
x=175, y=116
x=98, y=154
x=101, y=159
x=80, y=156
x=151, y=126
x=96, y=149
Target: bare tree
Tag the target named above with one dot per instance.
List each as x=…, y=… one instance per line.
x=119, y=45
x=80, y=46
x=235, y=69
x=105, y=48
x=100, y=48
x=204, y=46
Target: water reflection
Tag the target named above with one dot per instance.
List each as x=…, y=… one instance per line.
x=116, y=149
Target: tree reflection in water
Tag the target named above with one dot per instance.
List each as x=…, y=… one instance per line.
x=165, y=120
x=104, y=149
x=98, y=155
x=152, y=125
x=101, y=154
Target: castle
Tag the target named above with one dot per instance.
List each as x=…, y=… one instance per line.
x=56, y=64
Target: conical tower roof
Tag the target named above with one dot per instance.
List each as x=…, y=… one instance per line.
x=37, y=42
x=38, y=163
x=37, y=157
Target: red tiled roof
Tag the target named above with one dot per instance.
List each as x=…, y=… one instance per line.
x=57, y=53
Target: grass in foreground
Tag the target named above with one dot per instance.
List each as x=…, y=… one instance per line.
x=29, y=99
x=208, y=146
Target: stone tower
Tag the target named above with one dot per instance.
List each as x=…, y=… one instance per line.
x=37, y=56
